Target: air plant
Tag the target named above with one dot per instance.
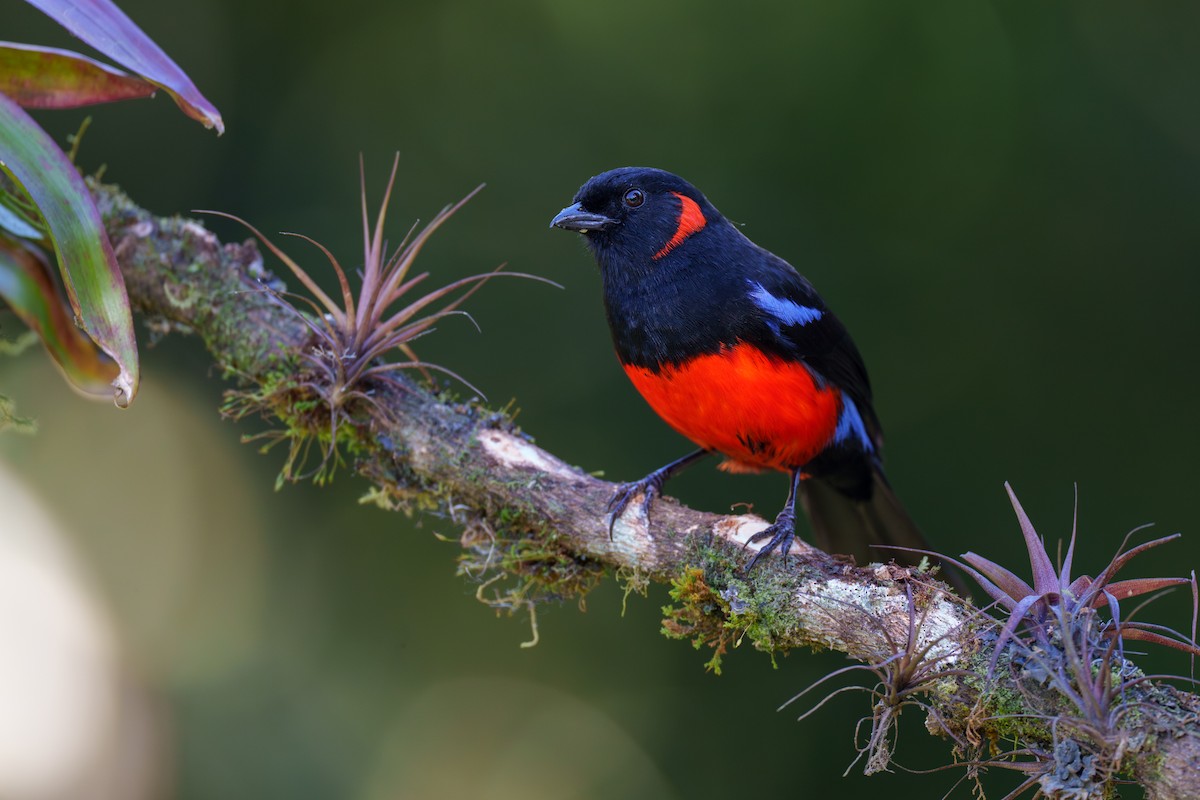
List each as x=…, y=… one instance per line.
x=346, y=358
x=912, y=668
x=1055, y=594
x=1071, y=667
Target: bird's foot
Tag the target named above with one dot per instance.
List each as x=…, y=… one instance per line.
x=782, y=533
x=648, y=487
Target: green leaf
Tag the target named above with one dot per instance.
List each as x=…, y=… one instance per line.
x=105, y=27
x=16, y=222
x=45, y=77
x=18, y=214
x=86, y=262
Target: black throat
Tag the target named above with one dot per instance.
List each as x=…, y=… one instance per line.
x=666, y=311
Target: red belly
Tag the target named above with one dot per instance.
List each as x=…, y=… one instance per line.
x=760, y=411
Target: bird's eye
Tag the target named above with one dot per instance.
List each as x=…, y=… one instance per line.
x=634, y=198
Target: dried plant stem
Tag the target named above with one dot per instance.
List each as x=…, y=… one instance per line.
x=484, y=473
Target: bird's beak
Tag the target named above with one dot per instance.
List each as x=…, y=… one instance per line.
x=574, y=218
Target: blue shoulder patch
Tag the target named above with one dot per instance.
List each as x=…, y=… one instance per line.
x=782, y=310
x=850, y=423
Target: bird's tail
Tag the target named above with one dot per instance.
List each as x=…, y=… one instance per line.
x=850, y=524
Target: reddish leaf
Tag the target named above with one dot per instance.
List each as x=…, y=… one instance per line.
x=106, y=28
x=1132, y=631
x=1045, y=579
x=1064, y=572
x=27, y=285
x=1121, y=559
x=1010, y=584
x=45, y=77
x=1080, y=585
x=1123, y=590
x=89, y=269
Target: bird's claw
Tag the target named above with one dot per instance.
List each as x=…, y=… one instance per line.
x=649, y=487
x=782, y=532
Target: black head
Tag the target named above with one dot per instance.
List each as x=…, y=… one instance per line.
x=638, y=214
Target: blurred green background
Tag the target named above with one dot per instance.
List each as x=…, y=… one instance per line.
x=1000, y=201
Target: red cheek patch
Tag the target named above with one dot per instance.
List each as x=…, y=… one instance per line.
x=691, y=219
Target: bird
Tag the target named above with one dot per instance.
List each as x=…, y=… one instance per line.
x=733, y=348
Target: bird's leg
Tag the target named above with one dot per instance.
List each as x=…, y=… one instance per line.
x=782, y=531
x=648, y=487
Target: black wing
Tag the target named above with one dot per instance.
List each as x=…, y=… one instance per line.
x=788, y=318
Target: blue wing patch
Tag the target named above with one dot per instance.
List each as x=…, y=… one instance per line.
x=850, y=423
x=782, y=311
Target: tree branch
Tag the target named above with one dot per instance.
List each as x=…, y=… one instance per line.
x=534, y=528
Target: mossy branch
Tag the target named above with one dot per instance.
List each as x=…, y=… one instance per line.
x=534, y=528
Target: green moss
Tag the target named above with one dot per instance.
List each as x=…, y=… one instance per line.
x=632, y=580
x=717, y=606
x=9, y=421
x=315, y=430
x=701, y=615
x=519, y=563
